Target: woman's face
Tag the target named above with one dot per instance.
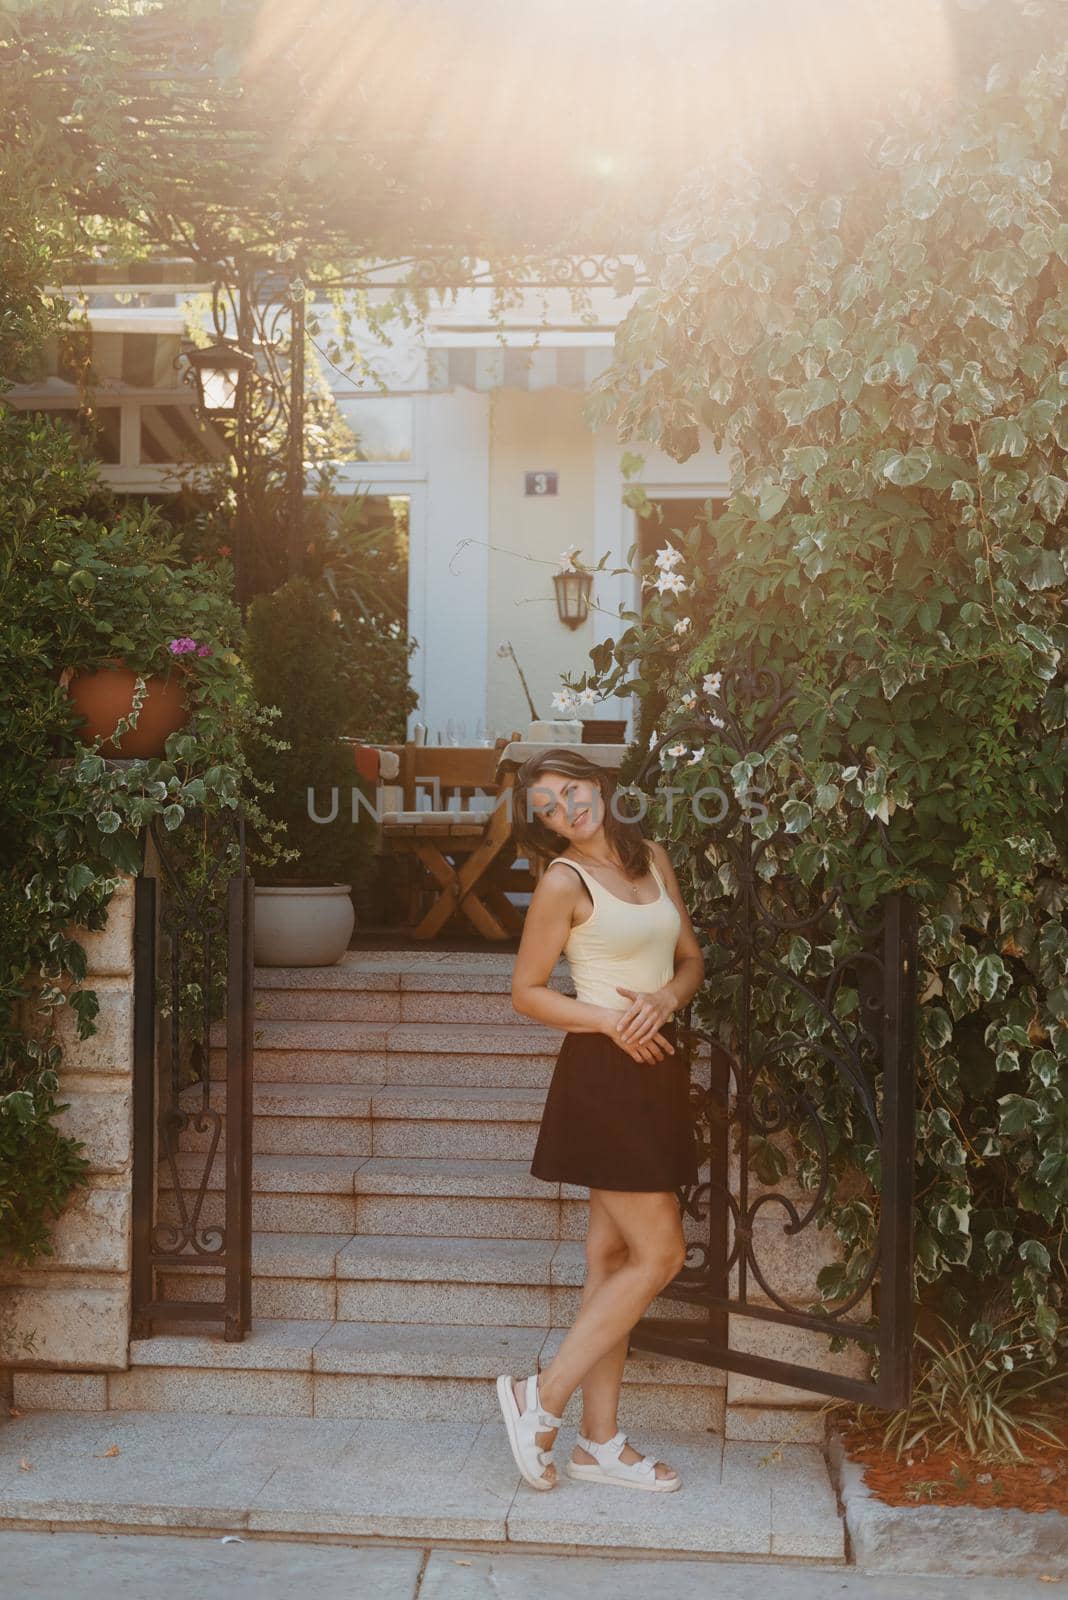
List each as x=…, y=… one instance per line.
x=571, y=807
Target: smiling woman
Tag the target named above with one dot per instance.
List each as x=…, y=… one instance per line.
x=616, y=1118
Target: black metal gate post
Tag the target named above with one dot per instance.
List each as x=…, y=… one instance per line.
x=192, y=963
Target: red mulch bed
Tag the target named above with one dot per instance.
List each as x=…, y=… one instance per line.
x=953, y=1478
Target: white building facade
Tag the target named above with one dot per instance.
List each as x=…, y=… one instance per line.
x=476, y=426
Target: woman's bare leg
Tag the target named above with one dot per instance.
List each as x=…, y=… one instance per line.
x=606, y=1252
x=651, y=1230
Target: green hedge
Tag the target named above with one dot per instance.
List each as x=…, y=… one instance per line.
x=884, y=361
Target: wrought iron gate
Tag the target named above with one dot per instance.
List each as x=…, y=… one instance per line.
x=193, y=1001
x=814, y=1020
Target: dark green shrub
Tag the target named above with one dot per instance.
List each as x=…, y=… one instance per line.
x=76, y=587
x=296, y=655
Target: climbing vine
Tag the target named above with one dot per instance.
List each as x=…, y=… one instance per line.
x=883, y=359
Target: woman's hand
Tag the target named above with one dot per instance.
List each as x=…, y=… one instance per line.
x=654, y=1048
x=645, y=1016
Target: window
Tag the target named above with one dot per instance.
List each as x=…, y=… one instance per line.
x=380, y=427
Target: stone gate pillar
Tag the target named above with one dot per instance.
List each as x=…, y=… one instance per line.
x=76, y=1302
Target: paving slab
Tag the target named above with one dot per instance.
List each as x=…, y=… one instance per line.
x=478, y=1575
x=127, y=1567
x=397, y=1478
x=703, y=1515
x=421, y=1480
x=110, y=1566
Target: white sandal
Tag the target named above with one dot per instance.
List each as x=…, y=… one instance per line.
x=522, y=1428
x=640, y=1474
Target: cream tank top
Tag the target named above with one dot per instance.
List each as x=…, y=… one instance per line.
x=621, y=942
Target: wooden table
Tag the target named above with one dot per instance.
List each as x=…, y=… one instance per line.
x=477, y=885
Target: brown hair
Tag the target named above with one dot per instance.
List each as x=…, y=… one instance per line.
x=535, y=837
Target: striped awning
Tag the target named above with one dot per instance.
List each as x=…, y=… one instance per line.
x=123, y=357
x=497, y=367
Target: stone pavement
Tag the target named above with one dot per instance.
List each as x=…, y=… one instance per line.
x=429, y=1482
x=88, y=1566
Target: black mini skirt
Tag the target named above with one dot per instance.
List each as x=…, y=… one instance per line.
x=611, y=1122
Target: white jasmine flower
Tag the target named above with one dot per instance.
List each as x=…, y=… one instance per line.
x=673, y=581
x=688, y=700
x=668, y=557
x=652, y=738
x=588, y=696
x=683, y=625
x=711, y=682
x=696, y=757
x=676, y=750
x=565, y=700
x=717, y=722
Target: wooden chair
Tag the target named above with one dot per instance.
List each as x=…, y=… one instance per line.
x=462, y=849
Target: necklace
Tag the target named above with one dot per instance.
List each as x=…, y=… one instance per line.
x=632, y=889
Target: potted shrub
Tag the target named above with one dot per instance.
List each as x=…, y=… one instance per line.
x=296, y=655
x=132, y=715
x=143, y=653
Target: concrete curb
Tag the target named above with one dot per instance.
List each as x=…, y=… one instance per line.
x=945, y=1539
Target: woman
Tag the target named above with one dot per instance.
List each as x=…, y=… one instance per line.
x=616, y=1118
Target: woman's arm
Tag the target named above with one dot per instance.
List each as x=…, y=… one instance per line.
x=545, y=932
x=648, y=1012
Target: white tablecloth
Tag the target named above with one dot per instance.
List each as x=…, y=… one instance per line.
x=602, y=755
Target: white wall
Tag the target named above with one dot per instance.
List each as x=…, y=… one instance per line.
x=533, y=431
x=467, y=597
x=448, y=585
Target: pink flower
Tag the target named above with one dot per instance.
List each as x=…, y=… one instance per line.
x=204, y=650
x=182, y=647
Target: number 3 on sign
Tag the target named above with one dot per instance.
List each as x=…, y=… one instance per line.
x=541, y=482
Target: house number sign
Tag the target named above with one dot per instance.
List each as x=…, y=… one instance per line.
x=541, y=482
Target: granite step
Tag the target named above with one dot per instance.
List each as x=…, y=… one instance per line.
x=350, y=1480
x=464, y=1198
x=396, y=986
x=442, y=1054
x=433, y=996
x=460, y=1198
x=375, y=1370
x=382, y=1119
x=379, y=1038
x=401, y=1279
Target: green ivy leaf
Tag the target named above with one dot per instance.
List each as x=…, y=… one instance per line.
x=1018, y=1114
x=908, y=469
x=796, y=816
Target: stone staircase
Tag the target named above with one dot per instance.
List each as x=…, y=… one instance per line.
x=403, y=1255
x=402, y=1252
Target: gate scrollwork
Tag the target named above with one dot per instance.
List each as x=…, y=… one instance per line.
x=801, y=1085
x=193, y=1128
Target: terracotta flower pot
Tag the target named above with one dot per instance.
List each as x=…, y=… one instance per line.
x=106, y=695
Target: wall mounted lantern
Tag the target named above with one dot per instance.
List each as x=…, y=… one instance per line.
x=573, y=588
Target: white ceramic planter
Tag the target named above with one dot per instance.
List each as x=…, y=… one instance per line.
x=303, y=927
